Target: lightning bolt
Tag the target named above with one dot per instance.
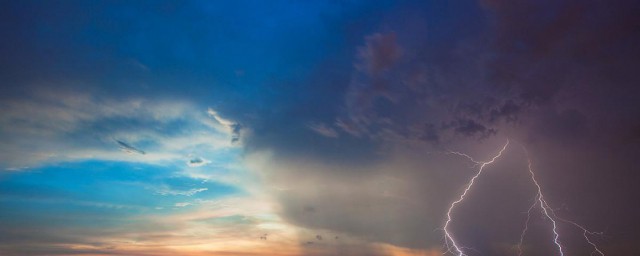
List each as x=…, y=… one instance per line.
x=454, y=247
x=526, y=227
x=448, y=237
x=545, y=210
x=551, y=216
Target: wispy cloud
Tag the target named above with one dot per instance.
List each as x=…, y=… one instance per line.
x=70, y=126
x=128, y=148
x=229, y=126
x=182, y=204
x=323, y=130
x=173, y=192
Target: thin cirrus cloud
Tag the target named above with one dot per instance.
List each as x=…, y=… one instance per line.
x=54, y=126
x=323, y=130
x=189, y=192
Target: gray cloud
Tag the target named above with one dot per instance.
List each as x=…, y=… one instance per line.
x=129, y=149
x=197, y=162
x=234, y=128
x=471, y=128
x=400, y=201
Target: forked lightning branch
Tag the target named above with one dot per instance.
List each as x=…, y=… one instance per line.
x=455, y=247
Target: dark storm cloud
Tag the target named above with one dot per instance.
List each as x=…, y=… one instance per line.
x=430, y=133
x=557, y=76
x=471, y=128
x=571, y=66
x=508, y=111
x=369, y=85
x=380, y=53
x=558, y=45
x=559, y=55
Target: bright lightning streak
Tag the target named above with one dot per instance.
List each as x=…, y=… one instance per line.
x=584, y=234
x=550, y=214
x=545, y=207
x=453, y=247
x=526, y=227
x=448, y=237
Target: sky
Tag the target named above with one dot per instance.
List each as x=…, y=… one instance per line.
x=319, y=127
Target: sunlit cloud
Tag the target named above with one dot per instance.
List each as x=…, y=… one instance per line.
x=39, y=129
x=189, y=192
